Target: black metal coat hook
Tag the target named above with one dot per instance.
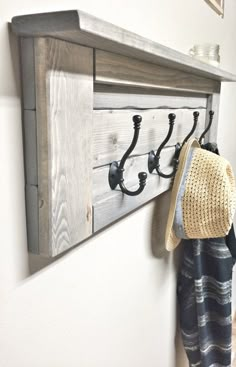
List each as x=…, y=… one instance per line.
x=178, y=147
x=211, y=115
x=154, y=159
x=117, y=170
x=195, y=121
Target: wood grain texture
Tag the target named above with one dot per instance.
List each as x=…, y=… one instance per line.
x=121, y=97
x=116, y=69
x=64, y=95
x=113, y=131
x=111, y=205
x=80, y=27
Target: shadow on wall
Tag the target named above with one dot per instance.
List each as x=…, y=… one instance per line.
x=159, y=221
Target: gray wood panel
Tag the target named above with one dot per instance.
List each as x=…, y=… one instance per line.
x=80, y=27
x=64, y=97
x=32, y=210
x=30, y=147
x=27, y=68
x=113, y=131
x=118, y=97
x=116, y=69
x=111, y=205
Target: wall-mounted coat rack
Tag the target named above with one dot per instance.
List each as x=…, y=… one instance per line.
x=83, y=81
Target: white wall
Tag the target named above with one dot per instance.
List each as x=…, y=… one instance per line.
x=111, y=301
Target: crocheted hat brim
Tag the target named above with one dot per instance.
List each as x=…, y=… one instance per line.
x=203, y=197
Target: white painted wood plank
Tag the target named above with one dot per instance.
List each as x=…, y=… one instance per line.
x=116, y=97
x=64, y=86
x=86, y=29
x=117, y=69
x=109, y=205
x=113, y=131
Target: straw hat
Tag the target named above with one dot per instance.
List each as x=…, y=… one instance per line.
x=203, y=197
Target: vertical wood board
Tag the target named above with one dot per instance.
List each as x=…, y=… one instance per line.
x=30, y=147
x=28, y=73
x=64, y=95
x=32, y=210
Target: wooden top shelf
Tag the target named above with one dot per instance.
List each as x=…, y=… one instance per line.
x=79, y=27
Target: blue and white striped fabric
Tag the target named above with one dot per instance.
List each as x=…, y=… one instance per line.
x=204, y=294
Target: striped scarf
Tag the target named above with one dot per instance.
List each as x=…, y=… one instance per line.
x=204, y=294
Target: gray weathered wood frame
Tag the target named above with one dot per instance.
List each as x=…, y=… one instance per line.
x=83, y=80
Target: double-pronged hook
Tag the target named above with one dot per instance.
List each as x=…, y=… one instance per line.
x=195, y=121
x=211, y=115
x=117, y=169
x=154, y=159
